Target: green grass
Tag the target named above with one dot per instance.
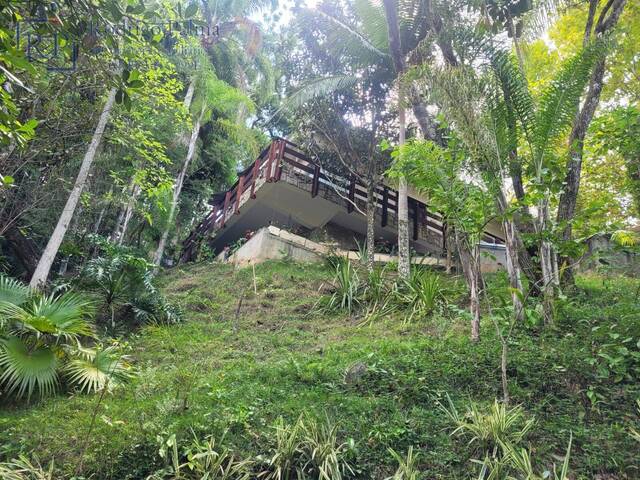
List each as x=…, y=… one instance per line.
x=210, y=375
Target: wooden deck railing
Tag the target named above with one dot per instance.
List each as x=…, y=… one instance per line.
x=284, y=161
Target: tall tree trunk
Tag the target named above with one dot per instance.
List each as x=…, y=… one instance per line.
x=177, y=188
x=546, y=261
x=128, y=215
x=404, y=261
x=371, y=222
x=48, y=256
x=513, y=268
x=64, y=264
x=395, y=47
x=122, y=211
x=512, y=257
x=470, y=262
x=607, y=20
x=103, y=211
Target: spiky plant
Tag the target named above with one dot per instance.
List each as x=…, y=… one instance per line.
x=323, y=455
x=93, y=369
x=22, y=468
x=347, y=287
x=284, y=463
x=407, y=465
x=421, y=293
x=501, y=424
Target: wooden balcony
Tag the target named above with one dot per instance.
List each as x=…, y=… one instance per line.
x=283, y=162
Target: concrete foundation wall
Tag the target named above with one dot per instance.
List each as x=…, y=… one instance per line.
x=492, y=257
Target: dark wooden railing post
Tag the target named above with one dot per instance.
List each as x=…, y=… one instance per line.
x=385, y=206
x=280, y=159
x=216, y=209
x=239, y=193
x=352, y=194
x=415, y=220
x=315, y=184
x=254, y=177
x=267, y=170
x=444, y=235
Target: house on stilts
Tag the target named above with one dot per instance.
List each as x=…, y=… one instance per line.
x=286, y=205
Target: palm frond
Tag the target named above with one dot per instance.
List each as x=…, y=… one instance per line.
x=95, y=369
x=345, y=36
x=64, y=316
x=26, y=369
x=514, y=88
x=559, y=103
x=13, y=291
x=373, y=23
x=315, y=88
x=542, y=16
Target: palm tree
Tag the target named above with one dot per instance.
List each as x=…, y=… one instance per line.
x=229, y=57
x=40, y=341
x=212, y=95
x=480, y=106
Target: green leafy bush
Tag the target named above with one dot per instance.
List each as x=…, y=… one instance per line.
x=40, y=339
x=123, y=282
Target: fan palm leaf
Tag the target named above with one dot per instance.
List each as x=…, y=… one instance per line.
x=343, y=38
x=13, y=291
x=26, y=368
x=63, y=316
x=95, y=369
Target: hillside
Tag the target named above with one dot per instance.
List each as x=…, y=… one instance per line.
x=236, y=370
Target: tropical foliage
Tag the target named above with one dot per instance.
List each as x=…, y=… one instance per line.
x=40, y=345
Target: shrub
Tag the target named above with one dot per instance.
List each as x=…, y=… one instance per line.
x=347, y=287
x=309, y=450
x=40, y=342
x=421, y=294
x=201, y=460
x=124, y=284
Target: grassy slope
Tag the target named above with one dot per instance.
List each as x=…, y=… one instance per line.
x=284, y=360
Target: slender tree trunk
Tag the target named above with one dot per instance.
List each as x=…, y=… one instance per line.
x=470, y=263
x=128, y=214
x=122, y=211
x=64, y=264
x=404, y=265
x=103, y=211
x=449, y=258
x=177, y=188
x=395, y=47
x=503, y=371
x=48, y=256
x=371, y=221
x=513, y=268
x=546, y=261
x=512, y=258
